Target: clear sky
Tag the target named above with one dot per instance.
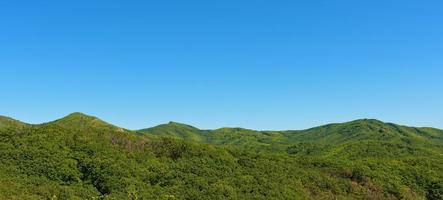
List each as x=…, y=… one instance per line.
x=254, y=64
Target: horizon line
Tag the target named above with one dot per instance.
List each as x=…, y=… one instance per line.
x=197, y=127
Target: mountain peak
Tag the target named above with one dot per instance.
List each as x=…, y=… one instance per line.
x=176, y=130
x=368, y=120
x=78, y=115
x=178, y=124
x=81, y=120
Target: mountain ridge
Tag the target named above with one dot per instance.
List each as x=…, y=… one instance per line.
x=77, y=115
x=82, y=157
x=333, y=133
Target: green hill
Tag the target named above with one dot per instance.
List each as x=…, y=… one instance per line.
x=83, y=157
x=176, y=130
x=81, y=121
x=365, y=129
x=7, y=122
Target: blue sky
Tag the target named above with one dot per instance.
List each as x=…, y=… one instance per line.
x=254, y=64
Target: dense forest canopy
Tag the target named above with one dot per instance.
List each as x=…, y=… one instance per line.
x=83, y=157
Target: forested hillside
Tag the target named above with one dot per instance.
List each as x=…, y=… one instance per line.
x=83, y=157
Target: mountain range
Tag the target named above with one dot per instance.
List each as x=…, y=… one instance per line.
x=82, y=157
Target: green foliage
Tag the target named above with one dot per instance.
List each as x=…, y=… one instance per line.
x=82, y=157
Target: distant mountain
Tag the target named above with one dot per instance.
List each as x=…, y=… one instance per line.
x=367, y=129
x=176, y=130
x=82, y=157
x=364, y=129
